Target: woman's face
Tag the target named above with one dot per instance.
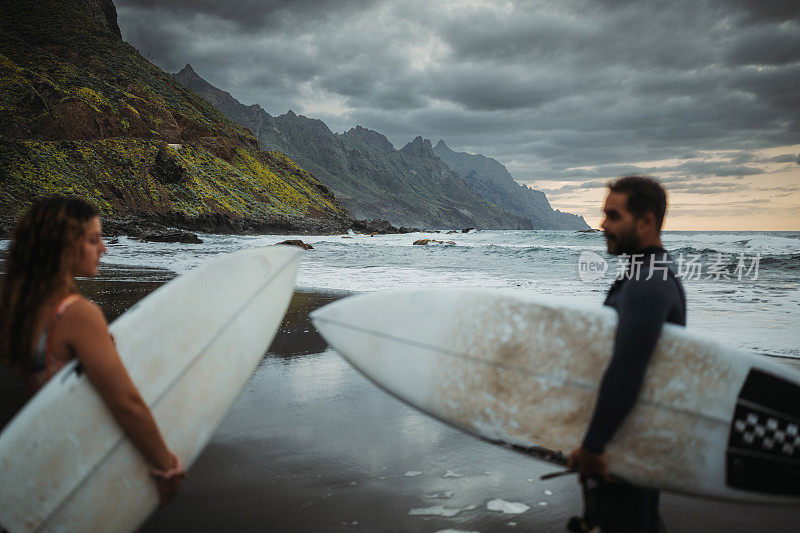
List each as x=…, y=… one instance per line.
x=90, y=248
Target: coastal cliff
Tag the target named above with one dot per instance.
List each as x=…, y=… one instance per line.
x=370, y=177
x=83, y=113
x=491, y=179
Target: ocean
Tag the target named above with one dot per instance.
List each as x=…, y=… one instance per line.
x=741, y=287
x=312, y=445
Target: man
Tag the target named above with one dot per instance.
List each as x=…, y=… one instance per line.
x=648, y=295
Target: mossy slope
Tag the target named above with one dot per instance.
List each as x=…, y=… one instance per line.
x=370, y=177
x=83, y=112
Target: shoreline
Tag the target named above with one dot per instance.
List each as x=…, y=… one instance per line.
x=311, y=445
x=270, y=461
x=138, y=226
x=115, y=296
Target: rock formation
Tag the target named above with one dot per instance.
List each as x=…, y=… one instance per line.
x=83, y=113
x=489, y=178
x=372, y=179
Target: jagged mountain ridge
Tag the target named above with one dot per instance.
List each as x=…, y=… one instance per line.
x=82, y=112
x=491, y=179
x=372, y=179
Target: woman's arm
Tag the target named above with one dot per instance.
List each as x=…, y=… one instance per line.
x=83, y=328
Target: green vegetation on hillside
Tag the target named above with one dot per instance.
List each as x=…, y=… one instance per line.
x=83, y=112
x=409, y=187
x=123, y=175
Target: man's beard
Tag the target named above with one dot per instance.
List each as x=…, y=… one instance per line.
x=628, y=243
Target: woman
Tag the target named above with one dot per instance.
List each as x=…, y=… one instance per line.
x=45, y=323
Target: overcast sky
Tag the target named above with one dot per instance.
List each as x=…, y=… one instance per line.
x=702, y=94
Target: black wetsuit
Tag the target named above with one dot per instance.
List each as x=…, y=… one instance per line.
x=643, y=305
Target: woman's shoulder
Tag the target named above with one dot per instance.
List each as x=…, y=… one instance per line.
x=80, y=309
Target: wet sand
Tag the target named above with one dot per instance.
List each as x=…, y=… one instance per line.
x=311, y=445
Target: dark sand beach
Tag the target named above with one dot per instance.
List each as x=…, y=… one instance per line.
x=311, y=445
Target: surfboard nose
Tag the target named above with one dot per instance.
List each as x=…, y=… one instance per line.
x=405, y=313
x=373, y=332
x=331, y=312
x=323, y=314
x=284, y=253
x=350, y=323
x=334, y=320
x=367, y=311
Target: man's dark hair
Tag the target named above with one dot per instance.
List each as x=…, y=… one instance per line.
x=645, y=195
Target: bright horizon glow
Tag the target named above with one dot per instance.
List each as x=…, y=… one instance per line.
x=758, y=202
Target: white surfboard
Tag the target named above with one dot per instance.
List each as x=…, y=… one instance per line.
x=190, y=347
x=524, y=371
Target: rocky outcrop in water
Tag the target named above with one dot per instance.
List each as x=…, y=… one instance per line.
x=298, y=243
x=425, y=242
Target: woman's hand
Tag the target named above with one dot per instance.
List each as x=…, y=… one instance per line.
x=169, y=481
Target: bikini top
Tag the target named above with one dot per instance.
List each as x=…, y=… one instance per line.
x=44, y=364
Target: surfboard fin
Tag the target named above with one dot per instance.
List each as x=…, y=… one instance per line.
x=559, y=473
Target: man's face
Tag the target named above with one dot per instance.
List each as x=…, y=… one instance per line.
x=620, y=226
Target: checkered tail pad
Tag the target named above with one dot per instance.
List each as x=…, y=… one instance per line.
x=764, y=444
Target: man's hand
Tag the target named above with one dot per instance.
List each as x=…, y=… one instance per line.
x=589, y=464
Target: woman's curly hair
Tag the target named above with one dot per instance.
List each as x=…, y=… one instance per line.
x=44, y=247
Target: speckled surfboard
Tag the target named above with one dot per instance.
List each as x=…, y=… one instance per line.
x=524, y=371
x=190, y=347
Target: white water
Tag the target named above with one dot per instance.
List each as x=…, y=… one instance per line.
x=761, y=315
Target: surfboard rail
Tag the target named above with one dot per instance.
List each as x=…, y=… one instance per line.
x=524, y=371
x=190, y=347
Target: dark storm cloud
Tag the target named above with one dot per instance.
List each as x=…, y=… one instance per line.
x=784, y=189
x=574, y=187
x=682, y=186
x=574, y=90
x=766, y=45
x=785, y=158
x=687, y=173
x=759, y=11
x=640, y=35
x=249, y=15
x=713, y=188
x=717, y=169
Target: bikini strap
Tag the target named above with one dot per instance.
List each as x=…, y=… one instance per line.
x=60, y=309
